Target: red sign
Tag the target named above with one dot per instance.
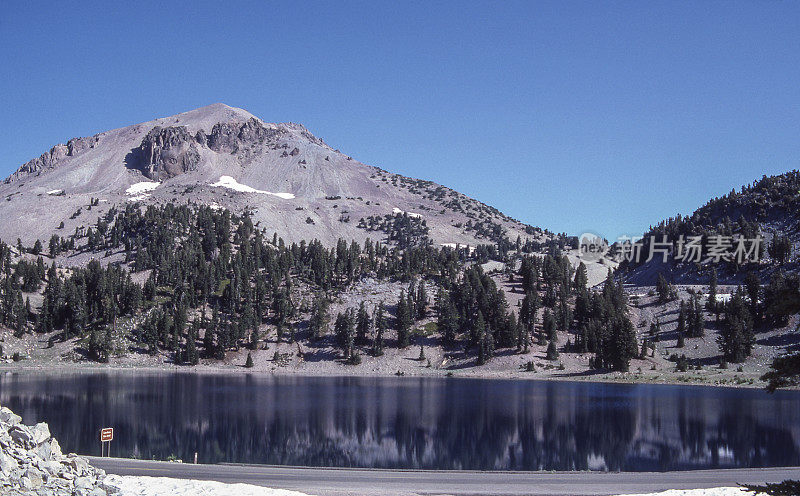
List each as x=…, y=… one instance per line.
x=106, y=434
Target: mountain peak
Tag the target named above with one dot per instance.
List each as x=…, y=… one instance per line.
x=206, y=117
x=288, y=179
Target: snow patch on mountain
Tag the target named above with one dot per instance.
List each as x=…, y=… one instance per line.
x=396, y=211
x=231, y=183
x=142, y=187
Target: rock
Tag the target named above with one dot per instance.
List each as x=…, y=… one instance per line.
x=7, y=464
x=48, y=450
x=31, y=463
x=40, y=433
x=8, y=417
x=20, y=434
x=35, y=477
x=51, y=467
x=164, y=153
x=78, y=464
x=230, y=137
x=83, y=483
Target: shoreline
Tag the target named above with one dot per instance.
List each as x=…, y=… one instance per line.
x=628, y=379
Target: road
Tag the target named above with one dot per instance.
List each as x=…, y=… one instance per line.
x=367, y=482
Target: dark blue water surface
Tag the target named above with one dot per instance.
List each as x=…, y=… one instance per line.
x=411, y=422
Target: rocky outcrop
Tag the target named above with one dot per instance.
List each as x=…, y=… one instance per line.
x=55, y=156
x=166, y=152
x=31, y=463
x=230, y=137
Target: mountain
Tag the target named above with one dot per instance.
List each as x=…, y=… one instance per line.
x=292, y=183
x=769, y=207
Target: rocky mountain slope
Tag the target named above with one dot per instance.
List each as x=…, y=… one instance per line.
x=292, y=182
x=769, y=208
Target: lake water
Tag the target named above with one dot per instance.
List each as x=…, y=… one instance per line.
x=411, y=422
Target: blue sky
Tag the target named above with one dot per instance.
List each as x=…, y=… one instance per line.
x=574, y=116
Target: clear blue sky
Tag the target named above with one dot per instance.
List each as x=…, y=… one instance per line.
x=574, y=116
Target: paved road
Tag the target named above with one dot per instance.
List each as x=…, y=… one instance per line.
x=337, y=482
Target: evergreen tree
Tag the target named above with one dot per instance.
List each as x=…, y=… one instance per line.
x=666, y=292
x=479, y=331
x=581, y=278
x=549, y=325
x=421, y=303
x=343, y=329
x=695, y=318
x=255, y=338
x=711, y=304
x=380, y=330
x=736, y=338
x=106, y=346
x=527, y=318
x=785, y=371
x=752, y=285
x=403, y=321
x=362, y=325
x=192, y=356
x=552, y=351
x=318, y=323
x=447, y=316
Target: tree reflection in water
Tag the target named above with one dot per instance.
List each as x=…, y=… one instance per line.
x=412, y=423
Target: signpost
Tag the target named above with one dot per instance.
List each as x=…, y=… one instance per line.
x=106, y=436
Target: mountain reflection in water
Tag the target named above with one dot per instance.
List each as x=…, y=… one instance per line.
x=410, y=422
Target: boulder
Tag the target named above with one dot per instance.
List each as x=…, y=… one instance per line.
x=40, y=433
x=77, y=464
x=8, y=417
x=35, y=477
x=7, y=464
x=21, y=434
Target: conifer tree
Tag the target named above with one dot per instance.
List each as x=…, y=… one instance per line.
x=318, y=323
x=479, y=331
x=447, y=316
x=403, y=321
x=549, y=325
x=666, y=292
x=362, y=325
x=711, y=304
x=736, y=338
x=752, y=284
x=421, y=303
x=695, y=318
x=192, y=356
x=581, y=278
x=552, y=351
x=380, y=330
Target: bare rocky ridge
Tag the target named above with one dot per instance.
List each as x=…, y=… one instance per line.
x=291, y=181
x=31, y=463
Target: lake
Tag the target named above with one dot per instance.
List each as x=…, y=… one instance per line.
x=411, y=422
